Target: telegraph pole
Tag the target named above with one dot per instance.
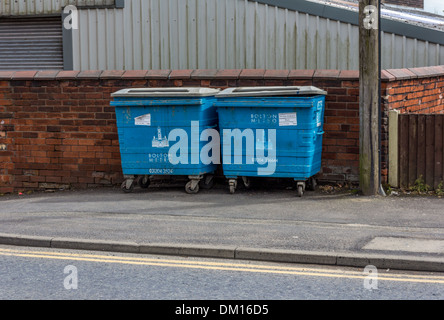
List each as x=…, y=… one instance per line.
x=369, y=97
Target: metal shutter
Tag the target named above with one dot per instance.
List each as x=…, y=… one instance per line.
x=31, y=43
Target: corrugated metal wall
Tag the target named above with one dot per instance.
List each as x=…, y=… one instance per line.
x=218, y=34
x=33, y=7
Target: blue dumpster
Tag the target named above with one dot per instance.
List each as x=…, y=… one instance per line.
x=151, y=121
x=271, y=132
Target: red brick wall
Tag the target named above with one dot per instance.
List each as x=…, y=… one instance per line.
x=60, y=133
x=416, y=90
x=407, y=3
x=57, y=129
x=6, y=165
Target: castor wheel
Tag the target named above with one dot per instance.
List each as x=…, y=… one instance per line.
x=232, y=183
x=312, y=184
x=207, y=182
x=301, y=186
x=300, y=191
x=192, y=187
x=127, y=186
x=144, y=182
x=247, y=182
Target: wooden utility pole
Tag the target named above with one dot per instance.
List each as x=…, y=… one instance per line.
x=369, y=104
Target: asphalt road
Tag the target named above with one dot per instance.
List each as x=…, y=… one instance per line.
x=36, y=274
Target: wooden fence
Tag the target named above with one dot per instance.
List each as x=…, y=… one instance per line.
x=418, y=152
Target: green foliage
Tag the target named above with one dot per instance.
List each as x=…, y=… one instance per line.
x=440, y=190
x=420, y=186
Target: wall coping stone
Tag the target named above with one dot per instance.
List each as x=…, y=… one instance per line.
x=221, y=74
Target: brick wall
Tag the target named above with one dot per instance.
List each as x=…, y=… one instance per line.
x=416, y=90
x=407, y=3
x=6, y=142
x=57, y=129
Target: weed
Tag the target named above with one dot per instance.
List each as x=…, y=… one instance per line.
x=420, y=186
x=388, y=189
x=440, y=190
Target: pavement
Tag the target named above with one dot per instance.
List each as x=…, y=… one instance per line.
x=267, y=222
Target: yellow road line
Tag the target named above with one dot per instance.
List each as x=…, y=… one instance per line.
x=208, y=263
x=204, y=263
x=218, y=266
x=143, y=259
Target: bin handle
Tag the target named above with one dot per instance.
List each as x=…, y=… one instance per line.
x=315, y=137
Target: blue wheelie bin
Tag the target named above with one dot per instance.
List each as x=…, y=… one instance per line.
x=271, y=132
x=150, y=121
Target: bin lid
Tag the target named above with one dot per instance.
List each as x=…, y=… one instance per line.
x=166, y=92
x=270, y=91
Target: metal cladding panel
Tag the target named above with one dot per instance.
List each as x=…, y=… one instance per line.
x=42, y=7
x=228, y=34
x=31, y=44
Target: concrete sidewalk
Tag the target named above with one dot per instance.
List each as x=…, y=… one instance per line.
x=270, y=224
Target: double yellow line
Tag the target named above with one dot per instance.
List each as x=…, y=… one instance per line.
x=221, y=266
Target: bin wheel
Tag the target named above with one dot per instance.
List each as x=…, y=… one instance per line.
x=233, y=185
x=144, y=182
x=312, y=184
x=300, y=191
x=189, y=190
x=247, y=182
x=207, y=182
x=127, y=189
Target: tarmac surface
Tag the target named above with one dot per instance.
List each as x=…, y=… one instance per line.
x=268, y=223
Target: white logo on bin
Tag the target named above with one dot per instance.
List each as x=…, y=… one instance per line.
x=263, y=118
x=160, y=141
